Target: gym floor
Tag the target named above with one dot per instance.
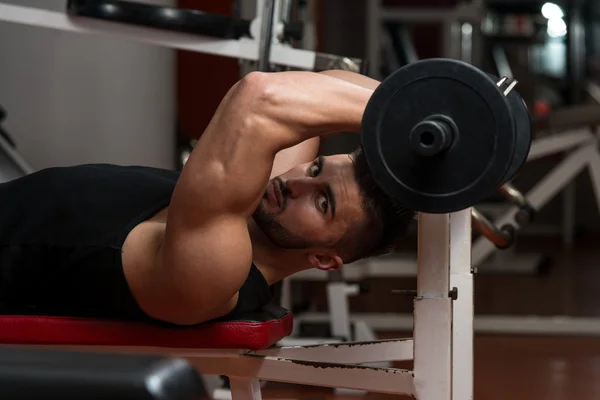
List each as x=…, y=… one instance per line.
x=507, y=367
x=520, y=367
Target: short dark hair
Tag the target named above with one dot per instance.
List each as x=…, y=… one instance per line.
x=387, y=219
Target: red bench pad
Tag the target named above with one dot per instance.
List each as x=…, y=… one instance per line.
x=253, y=331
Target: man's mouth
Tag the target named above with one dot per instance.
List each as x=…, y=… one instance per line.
x=278, y=193
x=275, y=194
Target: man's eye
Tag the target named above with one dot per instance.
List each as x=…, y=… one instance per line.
x=323, y=204
x=314, y=170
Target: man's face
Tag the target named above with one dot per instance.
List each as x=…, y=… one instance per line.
x=311, y=205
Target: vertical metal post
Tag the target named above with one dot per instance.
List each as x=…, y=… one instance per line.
x=452, y=39
x=576, y=51
x=461, y=277
x=432, y=311
x=22, y=166
x=266, y=35
x=287, y=8
x=339, y=309
x=569, y=215
x=594, y=170
x=374, y=37
x=245, y=389
x=466, y=42
x=576, y=69
x=287, y=300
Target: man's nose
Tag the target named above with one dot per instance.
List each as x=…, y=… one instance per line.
x=296, y=187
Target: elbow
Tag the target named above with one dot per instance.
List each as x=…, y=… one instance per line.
x=277, y=112
x=260, y=99
x=257, y=93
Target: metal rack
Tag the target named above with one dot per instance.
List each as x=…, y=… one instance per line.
x=460, y=31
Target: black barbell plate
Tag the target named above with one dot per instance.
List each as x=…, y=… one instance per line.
x=524, y=129
x=524, y=134
x=471, y=168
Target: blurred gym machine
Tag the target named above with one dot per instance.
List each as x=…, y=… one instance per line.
x=12, y=163
x=548, y=46
x=543, y=44
x=389, y=45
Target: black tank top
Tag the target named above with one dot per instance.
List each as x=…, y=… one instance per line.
x=61, y=235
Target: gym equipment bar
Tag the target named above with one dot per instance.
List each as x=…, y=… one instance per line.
x=12, y=164
x=266, y=36
x=502, y=238
x=161, y=17
x=428, y=15
x=526, y=211
x=242, y=48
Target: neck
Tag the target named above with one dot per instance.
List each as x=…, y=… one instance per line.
x=273, y=262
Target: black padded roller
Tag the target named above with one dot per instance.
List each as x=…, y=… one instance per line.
x=161, y=17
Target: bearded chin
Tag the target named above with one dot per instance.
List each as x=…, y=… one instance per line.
x=277, y=233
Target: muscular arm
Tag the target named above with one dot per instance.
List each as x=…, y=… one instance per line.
x=352, y=77
x=260, y=116
x=307, y=150
x=206, y=252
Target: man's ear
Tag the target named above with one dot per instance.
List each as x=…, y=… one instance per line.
x=326, y=262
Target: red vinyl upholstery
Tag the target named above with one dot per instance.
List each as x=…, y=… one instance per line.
x=252, y=332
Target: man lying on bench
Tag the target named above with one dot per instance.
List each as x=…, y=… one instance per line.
x=141, y=243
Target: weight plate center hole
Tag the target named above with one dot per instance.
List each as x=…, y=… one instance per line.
x=427, y=138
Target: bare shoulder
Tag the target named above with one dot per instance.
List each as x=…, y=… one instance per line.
x=208, y=279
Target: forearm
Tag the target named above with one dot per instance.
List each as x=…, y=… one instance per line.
x=353, y=77
x=304, y=105
x=308, y=150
